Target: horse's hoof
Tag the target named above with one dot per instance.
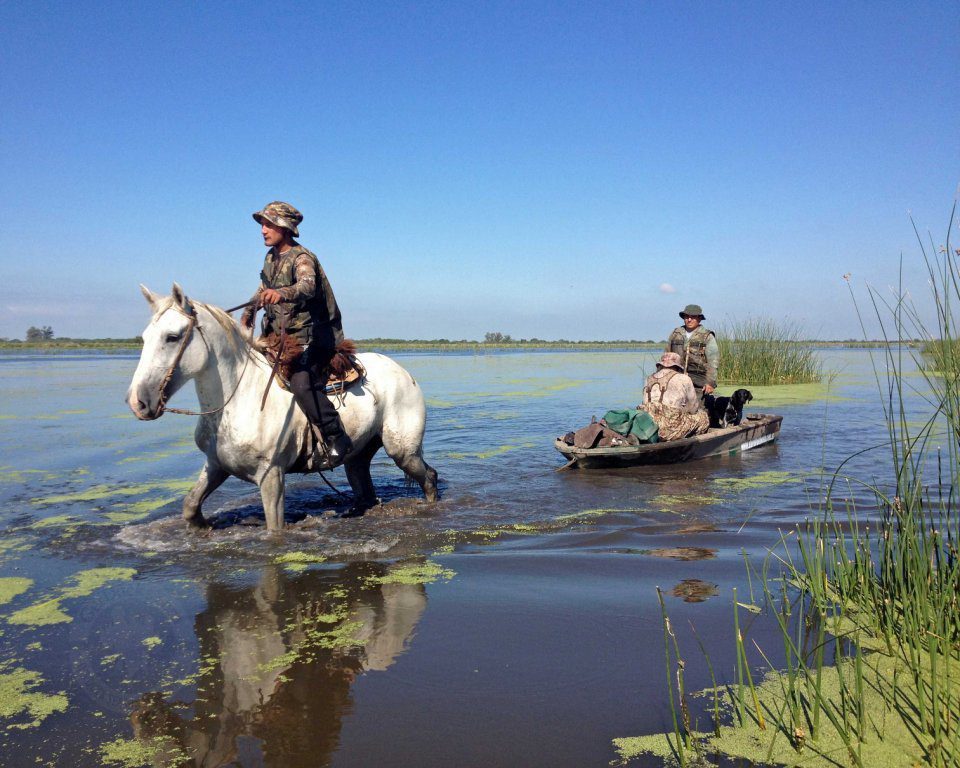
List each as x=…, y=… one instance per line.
x=197, y=523
x=356, y=510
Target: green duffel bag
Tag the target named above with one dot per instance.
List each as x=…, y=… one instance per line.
x=631, y=422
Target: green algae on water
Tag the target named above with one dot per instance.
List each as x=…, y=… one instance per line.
x=133, y=753
x=11, y=586
x=768, y=396
x=890, y=737
x=83, y=584
x=489, y=454
x=151, y=642
x=107, y=490
x=299, y=561
x=55, y=521
x=18, y=698
x=759, y=480
x=665, y=502
x=414, y=573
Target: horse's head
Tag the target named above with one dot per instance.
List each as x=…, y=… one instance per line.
x=173, y=353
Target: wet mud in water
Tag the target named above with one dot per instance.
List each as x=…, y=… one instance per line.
x=515, y=622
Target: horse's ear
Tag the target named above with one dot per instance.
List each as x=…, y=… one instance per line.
x=181, y=299
x=150, y=296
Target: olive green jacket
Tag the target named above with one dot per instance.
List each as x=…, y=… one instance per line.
x=698, y=352
x=309, y=310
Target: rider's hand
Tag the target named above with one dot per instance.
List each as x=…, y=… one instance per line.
x=708, y=389
x=270, y=296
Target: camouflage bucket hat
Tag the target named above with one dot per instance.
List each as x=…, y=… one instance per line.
x=670, y=360
x=281, y=215
x=693, y=310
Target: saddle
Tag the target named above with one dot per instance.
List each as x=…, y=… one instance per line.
x=343, y=369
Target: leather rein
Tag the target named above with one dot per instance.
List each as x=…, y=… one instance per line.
x=162, y=394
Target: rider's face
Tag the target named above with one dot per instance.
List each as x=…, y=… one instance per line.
x=691, y=322
x=272, y=234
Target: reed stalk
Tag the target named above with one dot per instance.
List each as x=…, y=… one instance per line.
x=761, y=351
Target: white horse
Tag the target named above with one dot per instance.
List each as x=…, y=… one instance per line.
x=190, y=340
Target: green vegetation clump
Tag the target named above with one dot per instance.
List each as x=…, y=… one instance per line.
x=18, y=698
x=763, y=351
x=84, y=583
x=941, y=355
x=426, y=572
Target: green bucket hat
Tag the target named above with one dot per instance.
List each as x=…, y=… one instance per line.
x=693, y=310
x=281, y=215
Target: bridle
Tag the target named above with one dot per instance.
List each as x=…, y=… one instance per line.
x=162, y=395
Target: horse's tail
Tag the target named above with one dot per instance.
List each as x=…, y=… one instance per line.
x=344, y=360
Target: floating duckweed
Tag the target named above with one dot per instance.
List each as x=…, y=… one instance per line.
x=132, y=753
x=56, y=520
x=84, y=583
x=11, y=586
x=486, y=454
x=34, y=646
x=18, y=697
x=137, y=510
x=888, y=740
x=670, y=502
x=446, y=549
x=767, y=396
x=299, y=557
x=760, y=480
x=414, y=573
x=106, y=491
x=151, y=642
x=40, y=614
x=13, y=544
x=109, y=660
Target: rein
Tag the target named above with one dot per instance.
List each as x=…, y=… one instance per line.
x=162, y=397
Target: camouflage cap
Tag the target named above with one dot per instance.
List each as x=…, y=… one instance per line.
x=693, y=310
x=281, y=215
x=670, y=360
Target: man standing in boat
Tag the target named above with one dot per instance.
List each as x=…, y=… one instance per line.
x=697, y=347
x=301, y=324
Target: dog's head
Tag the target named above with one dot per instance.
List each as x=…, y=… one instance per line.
x=740, y=398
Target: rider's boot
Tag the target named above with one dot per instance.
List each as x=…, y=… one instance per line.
x=330, y=452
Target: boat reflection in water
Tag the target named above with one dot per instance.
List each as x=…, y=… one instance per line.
x=277, y=661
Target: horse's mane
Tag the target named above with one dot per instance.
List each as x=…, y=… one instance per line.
x=237, y=339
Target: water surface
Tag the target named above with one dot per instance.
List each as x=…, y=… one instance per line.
x=513, y=623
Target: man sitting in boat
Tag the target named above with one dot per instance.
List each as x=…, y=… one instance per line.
x=697, y=347
x=671, y=399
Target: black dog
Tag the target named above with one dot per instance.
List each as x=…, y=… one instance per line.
x=727, y=411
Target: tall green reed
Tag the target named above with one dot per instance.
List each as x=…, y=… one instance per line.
x=763, y=351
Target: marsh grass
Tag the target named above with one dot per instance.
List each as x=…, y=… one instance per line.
x=867, y=607
x=763, y=351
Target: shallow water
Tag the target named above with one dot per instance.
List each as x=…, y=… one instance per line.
x=513, y=623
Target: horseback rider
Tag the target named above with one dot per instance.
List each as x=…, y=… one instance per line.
x=698, y=350
x=301, y=324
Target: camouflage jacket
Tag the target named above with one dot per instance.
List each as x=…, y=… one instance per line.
x=673, y=389
x=308, y=310
x=699, y=353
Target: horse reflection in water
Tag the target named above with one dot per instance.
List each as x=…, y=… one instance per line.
x=267, y=675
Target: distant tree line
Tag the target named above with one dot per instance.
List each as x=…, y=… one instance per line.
x=44, y=333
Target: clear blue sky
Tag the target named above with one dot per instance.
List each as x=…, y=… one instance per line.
x=576, y=170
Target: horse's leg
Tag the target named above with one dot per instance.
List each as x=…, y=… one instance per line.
x=358, y=474
x=412, y=463
x=271, y=494
x=211, y=478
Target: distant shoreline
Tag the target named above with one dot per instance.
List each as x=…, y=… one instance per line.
x=401, y=345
